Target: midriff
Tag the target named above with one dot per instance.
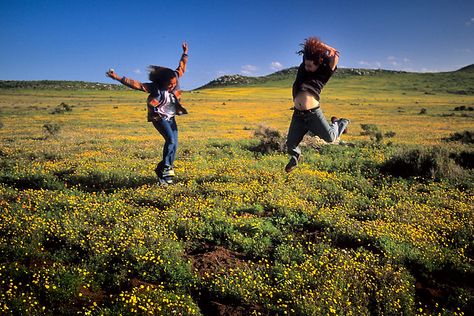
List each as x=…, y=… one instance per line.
x=305, y=101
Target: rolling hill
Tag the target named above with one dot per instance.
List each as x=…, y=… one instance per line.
x=460, y=81
x=58, y=85
x=456, y=82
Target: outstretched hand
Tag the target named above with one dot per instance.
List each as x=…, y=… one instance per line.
x=185, y=48
x=112, y=74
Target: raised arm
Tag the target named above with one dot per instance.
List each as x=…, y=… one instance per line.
x=182, y=62
x=131, y=83
x=333, y=55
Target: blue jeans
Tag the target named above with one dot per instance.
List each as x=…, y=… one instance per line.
x=169, y=131
x=314, y=122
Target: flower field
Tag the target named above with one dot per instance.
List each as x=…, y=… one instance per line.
x=86, y=229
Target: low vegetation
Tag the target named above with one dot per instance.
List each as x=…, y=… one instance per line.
x=381, y=224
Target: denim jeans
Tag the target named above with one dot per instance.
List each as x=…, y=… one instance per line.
x=169, y=131
x=314, y=122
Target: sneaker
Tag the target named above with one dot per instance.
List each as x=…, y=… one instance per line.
x=347, y=125
x=159, y=169
x=334, y=119
x=168, y=180
x=168, y=172
x=165, y=180
x=292, y=164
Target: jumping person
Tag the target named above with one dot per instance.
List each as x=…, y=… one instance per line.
x=163, y=105
x=319, y=64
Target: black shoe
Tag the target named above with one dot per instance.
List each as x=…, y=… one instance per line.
x=159, y=169
x=292, y=164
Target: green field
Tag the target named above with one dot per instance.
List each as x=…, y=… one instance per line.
x=381, y=224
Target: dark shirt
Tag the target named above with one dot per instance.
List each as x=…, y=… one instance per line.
x=312, y=82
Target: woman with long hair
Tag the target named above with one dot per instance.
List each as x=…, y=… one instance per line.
x=163, y=105
x=319, y=64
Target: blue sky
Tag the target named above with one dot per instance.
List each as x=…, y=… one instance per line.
x=80, y=40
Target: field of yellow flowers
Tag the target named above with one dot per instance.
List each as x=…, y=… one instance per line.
x=86, y=229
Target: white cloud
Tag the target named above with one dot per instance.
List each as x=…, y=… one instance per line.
x=248, y=70
x=370, y=64
x=275, y=65
x=462, y=50
x=424, y=69
x=470, y=21
x=137, y=71
x=392, y=60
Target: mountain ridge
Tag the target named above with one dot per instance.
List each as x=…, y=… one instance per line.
x=58, y=85
x=460, y=81
x=284, y=74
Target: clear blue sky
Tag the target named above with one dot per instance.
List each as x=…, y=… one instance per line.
x=80, y=40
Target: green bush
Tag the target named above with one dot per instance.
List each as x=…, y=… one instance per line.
x=51, y=129
x=431, y=163
x=466, y=137
x=61, y=108
x=372, y=131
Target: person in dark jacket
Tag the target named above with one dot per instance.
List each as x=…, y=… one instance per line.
x=163, y=105
x=319, y=64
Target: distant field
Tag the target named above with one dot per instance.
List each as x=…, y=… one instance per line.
x=416, y=117
x=380, y=226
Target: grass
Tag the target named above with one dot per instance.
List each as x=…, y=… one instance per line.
x=84, y=228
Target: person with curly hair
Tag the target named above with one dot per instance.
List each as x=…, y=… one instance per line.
x=319, y=64
x=163, y=105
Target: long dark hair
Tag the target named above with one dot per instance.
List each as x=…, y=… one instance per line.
x=161, y=76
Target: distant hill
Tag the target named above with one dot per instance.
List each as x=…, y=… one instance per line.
x=469, y=68
x=284, y=75
x=458, y=82
x=58, y=85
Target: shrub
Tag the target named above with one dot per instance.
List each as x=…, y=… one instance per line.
x=423, y=111
x=51, y=129
x=463, y=137
x=434, y=163
x=270, y=140
x=61, y=108
x=464, y=158
x=372, y=131
x=390, y=134
x=463, y=108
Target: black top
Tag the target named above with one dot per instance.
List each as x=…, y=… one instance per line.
x=312, y=82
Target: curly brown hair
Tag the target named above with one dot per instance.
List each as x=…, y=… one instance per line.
x=313, y=49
